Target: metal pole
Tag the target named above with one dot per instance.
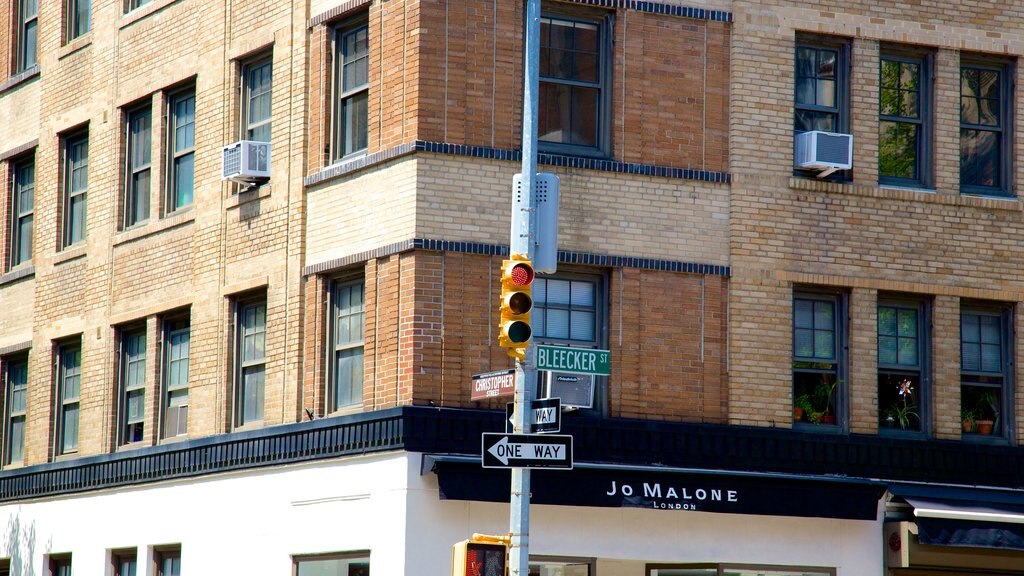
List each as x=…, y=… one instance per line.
x=526, y=372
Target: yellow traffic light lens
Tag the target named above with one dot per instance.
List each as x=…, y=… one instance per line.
x=522, y=274
x=519, y=302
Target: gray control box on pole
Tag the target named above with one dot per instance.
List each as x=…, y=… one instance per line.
x=546, y=197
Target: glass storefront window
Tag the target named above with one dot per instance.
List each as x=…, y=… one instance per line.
x=723, y=570
x=560, y=568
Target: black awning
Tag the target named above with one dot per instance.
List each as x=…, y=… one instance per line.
x=973, y=517
x=611, y=486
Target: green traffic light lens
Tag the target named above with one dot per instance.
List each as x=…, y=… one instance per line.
x=519, y=332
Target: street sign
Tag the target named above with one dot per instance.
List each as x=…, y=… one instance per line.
x=545, y=415
x=493, y=385
x=526, y=451
x=575, y=360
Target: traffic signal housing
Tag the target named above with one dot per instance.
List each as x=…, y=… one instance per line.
x=481, y=555
x=516, y=302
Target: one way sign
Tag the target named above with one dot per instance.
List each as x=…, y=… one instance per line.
x=526, y=451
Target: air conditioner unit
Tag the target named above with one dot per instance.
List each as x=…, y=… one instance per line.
x=575, y=390
x=246, y=161
x=824, y=151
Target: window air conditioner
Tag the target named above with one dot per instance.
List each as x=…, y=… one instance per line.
x=247, y=162
x=824, y=151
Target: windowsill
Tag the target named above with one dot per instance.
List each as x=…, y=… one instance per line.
x=906, y=194
x=174, y=439
x=817, y=428
x=142, y=11
x=990, y=439
x=14, y=465
x=346, y=410
x=66, y=456
x=70, y=253
x=132, y=446
x=249, y=427
x=901, y=434
x=258, y=193
x=153, y=227
x=920, y=189
x=20, y=78
x=19, y=272
x=83, y=41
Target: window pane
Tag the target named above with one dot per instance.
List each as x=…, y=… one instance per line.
x=183, y=180
x=334, y=567
x=253, y=384
x=31, y=44
x=349, y=377
x=824, y=344
x=979, y=158
x=558, y=292
x=887, y=352
x=582, y=326
x=70, y=428
x=824, y=314
x=16, y=443
x=354, y=114
x=557, y=323
x=897, y=150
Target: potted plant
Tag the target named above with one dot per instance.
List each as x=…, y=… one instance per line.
x=986, y=413
x=802, y=407
x=822, y=400
x=904, y=414
x=967, y=416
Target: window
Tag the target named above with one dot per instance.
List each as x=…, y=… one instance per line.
x=985, y=369
x=27, y=34
x=133, y=385
x=574, y=71
x=566, y=311
x=256, y=84
x=724, y=570
x=351, y=88
x=138, y=152
x=14, y=421
x=181, y=130
x=985, y=120
x=251, y=331
x=124, y=562
x=357, y=564
x=818, y=358
x=175, y=372
x=904, y=133
x=69, y=382
x=348, y=316
x=168, y=562
x=822, y=90
x=902, y=360
x=133, y=4
x=22, y=207
x=76, y=183
x=77, y=18
x=560, y=567
x=60, y=565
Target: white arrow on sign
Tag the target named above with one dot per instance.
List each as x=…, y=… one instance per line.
x=503, y=450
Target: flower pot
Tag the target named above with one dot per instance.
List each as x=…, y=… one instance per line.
x=798, y=414
x=984, y=426
x=967, y=426
x=828, y=419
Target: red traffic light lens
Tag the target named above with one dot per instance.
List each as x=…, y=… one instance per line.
x=521, y=274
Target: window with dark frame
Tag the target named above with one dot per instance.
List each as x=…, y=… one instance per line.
x=181, y=133
x=822, y=86
x=730, y=570
x=351, y=88
x=16, y=376
x=902, y=364
x=27, y=35
x=818, y=359
x=567, y=310
x=138, y=154
x=574, y=71
x=59, y=565
x=78, y=18
x=986, y=102
x=904, y=114
x=348, y=320
x=76, y=185
x=168, y=561
x=124, y=562
x=174, y=401
x=69, y=384
x=257, y=81
x=251, y=335
x=132, y=385
x=986, y=384
x=22, y=210
x=133, y=4
x=349, y=564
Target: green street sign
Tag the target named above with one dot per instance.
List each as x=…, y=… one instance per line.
x=574, y=360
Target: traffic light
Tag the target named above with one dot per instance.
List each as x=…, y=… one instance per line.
x=516, y=302
x=480, y=556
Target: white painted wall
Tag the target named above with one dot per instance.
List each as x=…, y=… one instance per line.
x=253, y=522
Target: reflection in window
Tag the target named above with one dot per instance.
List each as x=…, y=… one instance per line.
x=817, y=96
x=333, y=566
x=817, y=374
x=901, y=130
x=983, y=129
x=901, y=361
x=571, y=82
x=984, y=370
x=722, y=570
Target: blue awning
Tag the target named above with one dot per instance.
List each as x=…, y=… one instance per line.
x=971, y=517
x=662, y=488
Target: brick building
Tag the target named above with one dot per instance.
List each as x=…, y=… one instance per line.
x=204, y=376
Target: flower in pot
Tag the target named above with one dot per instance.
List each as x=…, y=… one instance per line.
x=967, y=417
x=822, y=398
x=802, y=407
x=905, y=413
x=986, y=413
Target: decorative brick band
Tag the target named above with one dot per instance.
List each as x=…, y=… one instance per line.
x=15, y=348
x=508, y=154
x=336, y=12
x=18, y=150
x=17, y=274
x=564, y=256
x=661, y=8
